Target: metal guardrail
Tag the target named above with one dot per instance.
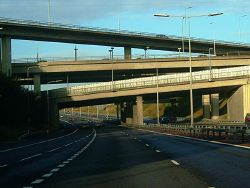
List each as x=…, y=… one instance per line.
x=146, y=82
x=53, y=25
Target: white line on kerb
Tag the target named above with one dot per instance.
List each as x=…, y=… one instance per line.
x=2, y=166
x=33, y=156
x=25, y=146
x=55, y=149
x=37, y=181
x=175, y=162
x=47, y=175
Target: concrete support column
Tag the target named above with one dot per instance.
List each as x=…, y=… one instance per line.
x=127, y=53
x=37, y=85
x=139, y=110
x=238, y=103
x=206, y=106
x=5, y=57
x=135, y=115
x=215, y=105
x=53, y=114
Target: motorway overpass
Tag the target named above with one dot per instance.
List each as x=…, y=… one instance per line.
x=100, y=70
x=39, y=31
x=234, y=82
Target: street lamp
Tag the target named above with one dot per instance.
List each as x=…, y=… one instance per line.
x=210, y=66
x=157, y=94
x=75, y=53
x=146, y=52
x=179, y=52
x=211, y=23
x=190, y=58
x=48, y=109
x=242, y=16
x=49, y=12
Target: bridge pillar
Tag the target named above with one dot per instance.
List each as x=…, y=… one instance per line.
x=139, y=110
x=135, y=115
x=53, y=114
x=206, y=106
x=215, y=105
x=129, y=112
x=37, y=85
x=240, y=99
x=5, y=56
x=127, y=53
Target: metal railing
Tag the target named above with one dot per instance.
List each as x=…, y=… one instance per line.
x=53, y=25
x=147, y=82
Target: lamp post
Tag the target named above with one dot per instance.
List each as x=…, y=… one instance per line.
x=210, y=66
x=242, y=16
x=179, y=52
x=48, y=109
x=211, y=23
x=157, y=94
x=49, y=13
x=75, y=53
x=190, y=58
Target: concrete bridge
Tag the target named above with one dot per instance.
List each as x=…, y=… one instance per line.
x=233, y=81
x=101, y=70
x=40, y=31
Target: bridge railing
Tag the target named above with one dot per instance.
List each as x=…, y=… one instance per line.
x=114, y=31
x=149, y=82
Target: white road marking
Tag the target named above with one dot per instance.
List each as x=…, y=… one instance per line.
x=25, y=146
x=147, y=145
x=158, y=151
x=37, y=181
x=61, y=165
x=55, y=149
x=33, y=156
x=211, y=187
x=27, y=187
x=2, y=166
x=197, y=139
x=47, y=175
x=55, y=170
x=68, y=144
x=175, y=162
x=65, y=162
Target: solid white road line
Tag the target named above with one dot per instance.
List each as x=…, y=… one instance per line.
x=68, y=144
x=33, y=156
x=55, y=149
x=2, y=166
x=25, y=146
x=47, y=175
x=37, y=181
x=175, y=162
x=197, y=139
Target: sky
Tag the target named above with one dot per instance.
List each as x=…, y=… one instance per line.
x=131, y=15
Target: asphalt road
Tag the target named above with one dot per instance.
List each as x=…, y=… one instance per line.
x=114, y=156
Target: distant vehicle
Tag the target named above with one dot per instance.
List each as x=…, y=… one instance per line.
x=247, y=119
x=161, y=36
x=168, y=119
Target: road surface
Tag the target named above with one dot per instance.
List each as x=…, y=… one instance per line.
x=114, y=156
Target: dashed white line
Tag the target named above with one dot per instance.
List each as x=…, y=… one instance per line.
x=175, y=162
x=158, y=151
x=65, y=162
x=68, y=144
x=33, y=156
x=37, y=181
x=61, y=165
x=147, y=145
x=55, y=170
x=27, y=187
x=47, y=175
x=55, y=149
x=2, y=166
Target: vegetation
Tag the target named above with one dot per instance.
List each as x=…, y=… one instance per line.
x=19, y=109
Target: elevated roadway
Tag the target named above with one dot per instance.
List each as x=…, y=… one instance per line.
x=100, y=70
x=40, y=31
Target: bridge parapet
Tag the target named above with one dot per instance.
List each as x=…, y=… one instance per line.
x=146, y=82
